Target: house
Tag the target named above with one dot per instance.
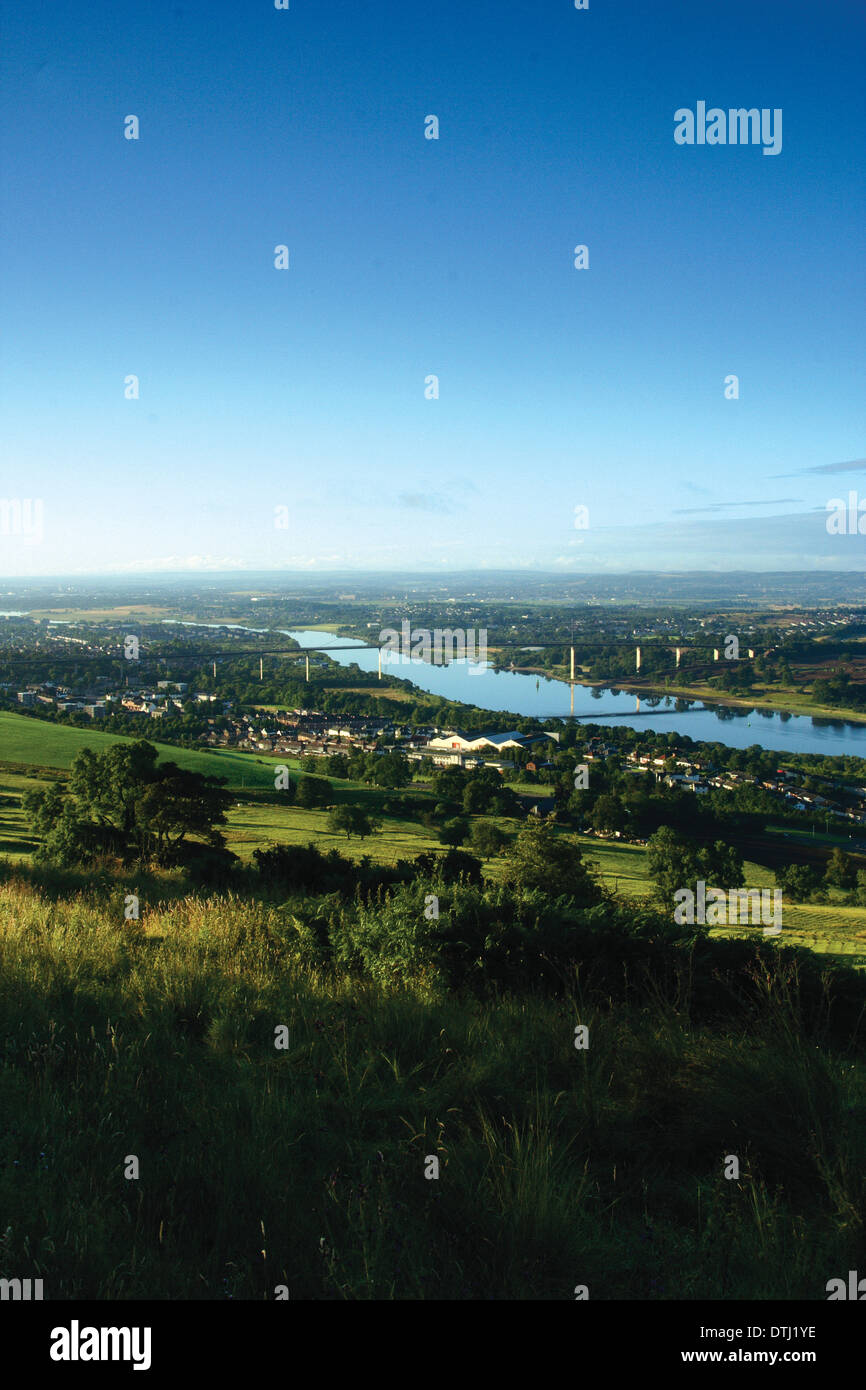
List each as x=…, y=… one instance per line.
x=445, y=757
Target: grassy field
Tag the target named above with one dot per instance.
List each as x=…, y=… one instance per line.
x=305, y=1167
x=146, y=611
x=38, y=743
x=252, y=827
x=390, y=693
x=831, y=928
x=15, y=837
x=31, y=747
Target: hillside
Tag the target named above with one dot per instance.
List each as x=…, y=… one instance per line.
x=39, y=743
x=305, y=1166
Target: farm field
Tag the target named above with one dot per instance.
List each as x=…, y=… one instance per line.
x=808, y=837
x=827, y=930
x=830, y=928
x=145, y=611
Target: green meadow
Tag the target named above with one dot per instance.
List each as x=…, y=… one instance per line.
x=37, y=743
x=33, y=750
x=308, y=1166
x=253, y=826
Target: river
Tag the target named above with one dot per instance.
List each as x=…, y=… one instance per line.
x=541, y=697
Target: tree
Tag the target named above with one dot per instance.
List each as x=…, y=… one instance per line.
x=452, y=867
x=67, y=837
x=505, y=802
x=487, y=839
x=341, y=818
x=448, y=783
x=841, y=871
x=312, y=792
x=353, y=820
x=107, y=786
x=358, y=765
x=476, y=797
x=124, y=803
x=454, y=831
x=391, y=770
x=578, y=803
x=541, y=859
x=676, y=863
x=608, y=814
x=801, y=882
x=177, y=804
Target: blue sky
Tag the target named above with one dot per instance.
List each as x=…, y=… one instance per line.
x=304, y=388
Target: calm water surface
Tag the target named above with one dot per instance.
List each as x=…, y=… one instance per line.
x=543, y=697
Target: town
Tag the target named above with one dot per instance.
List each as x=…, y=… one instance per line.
x=317, y=734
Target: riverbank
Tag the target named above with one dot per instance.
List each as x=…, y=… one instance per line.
x=512, y=694
x=789, y=702
x=792, y=702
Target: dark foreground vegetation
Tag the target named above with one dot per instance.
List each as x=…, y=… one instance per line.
x=423, y=1018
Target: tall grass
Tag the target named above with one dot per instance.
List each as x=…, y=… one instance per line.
x=305, y=1167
